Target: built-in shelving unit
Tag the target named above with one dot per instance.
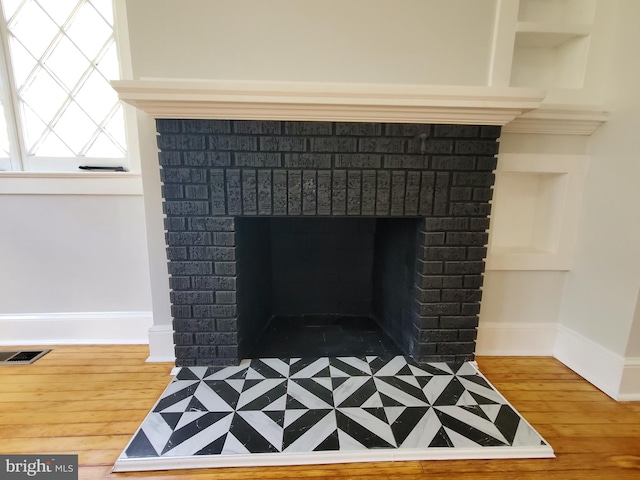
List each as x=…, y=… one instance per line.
x=552, y=43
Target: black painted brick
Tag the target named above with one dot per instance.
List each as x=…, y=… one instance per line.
x=258, y=159
x=431, y=309
x=307, y=128
x=167, y=125
x=407, y=129
x=429, y=268
x=441, y=196
x=381, y=145
x=183, y=175
x=467, y=335
x=339, y=192
x=294, y=192
x=264, y=192
x=309, y=192
x=170, y=159
x=486, y=163
x=225, y=239
x=218, y=192
x=181, y=142
x=428, y=281
x=358, y=160
x=180, y=283
x=476, y=253
x=181, y=311
x=333, y=144
x=427, y=322
x=226, y=298
x=172, y=191
x=490, y=131
x=473, y=179
x=451, y=162
x=430, y=146
x=478, y=224
x=283, y=144
x=234, y=192
x=431, y=238
x=215, y=338
x=188, y=238
x=482, y=194
x=206, y=126
x=176, y=253
x=196, y=192
x=445, y=224
x=279, y=192
x=460, y=209
x=467, y=238
x=194, y=325
x=324, y=193
x=249, y=192
x=191, y=298
x=232, y=143
x=460, y=194
x=383, y=193
x=354, y=192
x=464, y=268
x=307, y=160
x=257, y=127
x=432, y=336
x=204, y=311
x=228, y=351
x=446, y=348
x=227, y=324
x=185, y=208
x=461, y=295
x=175, y=224
x=183, y=338
x=207, y=159
x=406, y=161
x=470, y=309
x=473, y=281
x=359, y=129
x=212, y=224
x=368, y=192
x=442, y=253
x=225, y=268
x=455, y=131
x=398, y=184
x=212, y=253
x=190, y=268
x=430, y=295
x=427, y=188
x=460, y=322
x=476, y=147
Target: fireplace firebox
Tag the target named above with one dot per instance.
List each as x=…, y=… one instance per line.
x=271, y=218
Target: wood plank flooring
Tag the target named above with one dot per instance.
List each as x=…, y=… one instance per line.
x=90, y=399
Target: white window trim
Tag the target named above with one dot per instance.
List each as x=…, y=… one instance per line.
x=52, y=174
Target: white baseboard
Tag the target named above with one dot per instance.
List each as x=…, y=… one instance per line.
x=161, y=344
x=591, y=361
x=516, y=339
x=630, y=383
x=75, y=328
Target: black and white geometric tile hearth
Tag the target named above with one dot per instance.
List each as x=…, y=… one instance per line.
x=329, y=404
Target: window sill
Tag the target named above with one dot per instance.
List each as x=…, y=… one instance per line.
x=80, y=183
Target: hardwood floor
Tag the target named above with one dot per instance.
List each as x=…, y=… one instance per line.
x=90, y=399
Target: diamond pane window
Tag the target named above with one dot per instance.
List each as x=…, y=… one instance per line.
x=63, y=55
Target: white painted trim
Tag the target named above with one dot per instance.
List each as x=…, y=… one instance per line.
x=27, y=183
x=320, y=458
x=75, y=328
x=559, y=120
x=591, y=361
x=630, y=384
x=516, y=339
x=161, y=344
x=252, y=100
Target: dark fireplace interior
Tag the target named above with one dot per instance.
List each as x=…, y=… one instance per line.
x=325, y=286
x=371, y=236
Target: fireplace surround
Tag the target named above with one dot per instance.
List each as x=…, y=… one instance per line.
x=219, y=176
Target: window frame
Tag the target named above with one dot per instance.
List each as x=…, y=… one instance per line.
x=20, y=161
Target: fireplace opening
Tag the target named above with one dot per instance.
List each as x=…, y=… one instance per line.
x=324, y=286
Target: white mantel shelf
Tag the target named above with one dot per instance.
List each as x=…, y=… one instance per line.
x=349, y=102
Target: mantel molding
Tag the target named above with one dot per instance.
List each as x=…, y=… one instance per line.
x=559, y=120
x=242, y=100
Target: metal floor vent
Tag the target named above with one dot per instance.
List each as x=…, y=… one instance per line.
x=22, y=357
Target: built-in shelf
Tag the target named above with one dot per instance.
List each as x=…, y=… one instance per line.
x=551, y=46
x=535, y=210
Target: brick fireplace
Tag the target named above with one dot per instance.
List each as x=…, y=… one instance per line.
x=408, y=202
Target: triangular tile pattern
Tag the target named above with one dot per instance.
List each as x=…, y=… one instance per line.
x=298, y=405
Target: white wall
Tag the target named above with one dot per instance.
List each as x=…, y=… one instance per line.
x=404, y=41
x=83, y=255
x=602, y=289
